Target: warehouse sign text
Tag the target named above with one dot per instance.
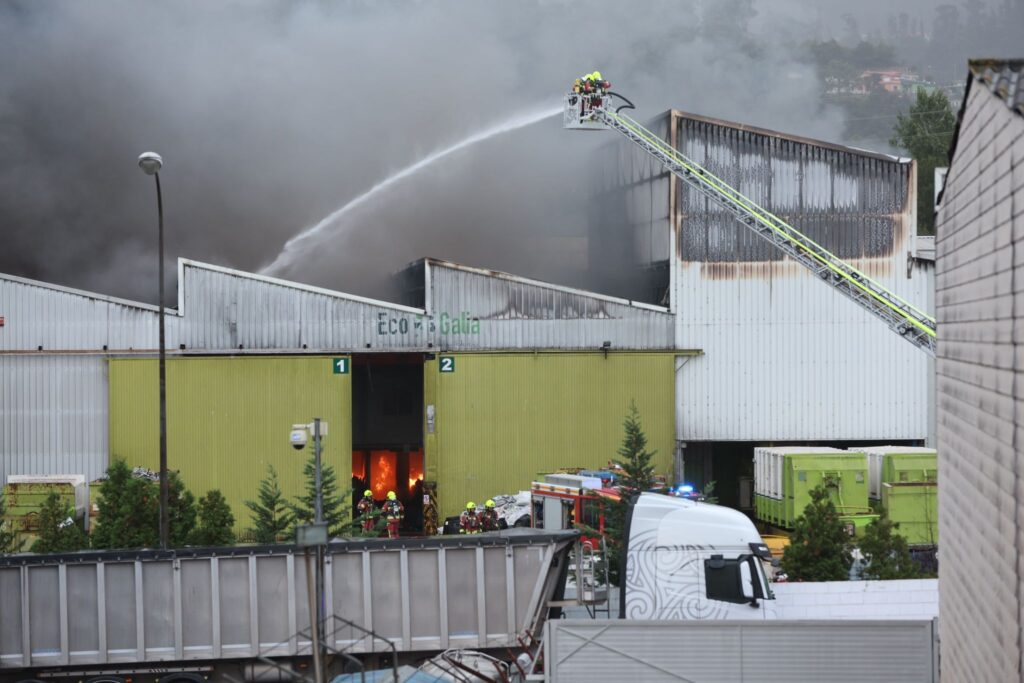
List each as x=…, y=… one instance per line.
x=464, y=323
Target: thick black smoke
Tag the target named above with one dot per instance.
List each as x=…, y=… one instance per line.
x=272, y=115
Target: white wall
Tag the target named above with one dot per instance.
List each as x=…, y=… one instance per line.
x=907, y=599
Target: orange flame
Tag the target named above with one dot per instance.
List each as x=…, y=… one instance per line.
x=383, y=473
x=415, y=469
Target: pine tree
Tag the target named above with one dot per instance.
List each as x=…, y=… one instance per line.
x=216, y=522
x=636, y=477
x=271, y=516
x=335, y=508
x=819, y=546
x=886, y=552
x=181, y=510
x=58, y=530
x=634, y=458
x=129, y=510
x=8, y=543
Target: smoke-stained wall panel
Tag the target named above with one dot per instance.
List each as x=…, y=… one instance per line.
x=226, y=309
x=785, y=356
x=474, y=309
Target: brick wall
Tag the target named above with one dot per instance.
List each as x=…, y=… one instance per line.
x=980, y=394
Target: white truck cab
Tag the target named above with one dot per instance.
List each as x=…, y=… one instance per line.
x=691, y=560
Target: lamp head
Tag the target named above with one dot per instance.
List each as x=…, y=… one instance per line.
x=150, y=162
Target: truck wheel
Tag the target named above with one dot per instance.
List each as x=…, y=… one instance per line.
x=183, y=677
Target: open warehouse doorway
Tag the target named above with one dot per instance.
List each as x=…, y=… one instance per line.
x=387, y=431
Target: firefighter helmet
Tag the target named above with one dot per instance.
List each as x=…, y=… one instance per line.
x=490, y=503
x=471, y=505
x=391, y=495
x=596, y=75
x=367, y=493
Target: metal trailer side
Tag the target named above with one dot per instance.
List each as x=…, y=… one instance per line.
x=135, y=607
x=593, y=651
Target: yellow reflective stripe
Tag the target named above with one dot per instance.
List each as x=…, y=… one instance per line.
x=781, y=227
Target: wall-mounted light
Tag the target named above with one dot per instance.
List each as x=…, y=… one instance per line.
x=605, y=346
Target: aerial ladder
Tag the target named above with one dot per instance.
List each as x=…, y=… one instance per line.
x=591, y=105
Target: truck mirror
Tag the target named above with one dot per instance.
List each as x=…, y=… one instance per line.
x=747, y=583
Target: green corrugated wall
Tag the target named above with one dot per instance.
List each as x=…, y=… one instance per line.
x=502, y=418
x=228, y=418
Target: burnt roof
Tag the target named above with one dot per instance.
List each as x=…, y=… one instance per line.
x=767, y=132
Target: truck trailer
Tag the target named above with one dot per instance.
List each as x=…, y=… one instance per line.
x=242, y=613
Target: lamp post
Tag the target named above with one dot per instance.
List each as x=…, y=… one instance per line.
x=150, y=163
x=315, y=534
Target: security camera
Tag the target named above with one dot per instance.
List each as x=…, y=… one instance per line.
x=298, y=439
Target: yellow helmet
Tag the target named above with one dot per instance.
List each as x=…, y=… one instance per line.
x=367, y=493
x=471, y=505
x=490, y=503
x=391, y=495
x=596, y=75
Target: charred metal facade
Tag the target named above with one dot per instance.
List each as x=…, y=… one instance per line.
x=785, y=358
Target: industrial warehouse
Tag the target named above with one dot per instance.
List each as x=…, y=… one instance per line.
x=477, y=381
x=361, y=342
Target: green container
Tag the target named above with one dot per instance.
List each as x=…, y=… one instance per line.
x=856, y=522
x=789, y=474
x=899, y=464
x=915, y=507
x=910, y=467
x=24, y=496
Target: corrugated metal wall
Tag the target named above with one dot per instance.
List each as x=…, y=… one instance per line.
x=60, y=319
x=225, y=309
x=696, y=651
x=53, y=415
x=473, y=309
x=500, y=419
x=786, y=358
x=980, y=262
x=228, y=418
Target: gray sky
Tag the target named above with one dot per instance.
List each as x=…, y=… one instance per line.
x=272, y=115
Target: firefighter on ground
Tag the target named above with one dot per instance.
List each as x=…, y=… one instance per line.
x=393, y=511
x=469, y=520
x=365, y=509
x=489, y=517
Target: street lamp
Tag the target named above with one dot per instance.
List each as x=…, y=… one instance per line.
x=315, y=535
x=150, y=163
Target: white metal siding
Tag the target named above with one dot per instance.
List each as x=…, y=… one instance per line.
x=60, y=319
x=514, y=313
x=787, y=358
x=53, y=415
x=980, y=275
